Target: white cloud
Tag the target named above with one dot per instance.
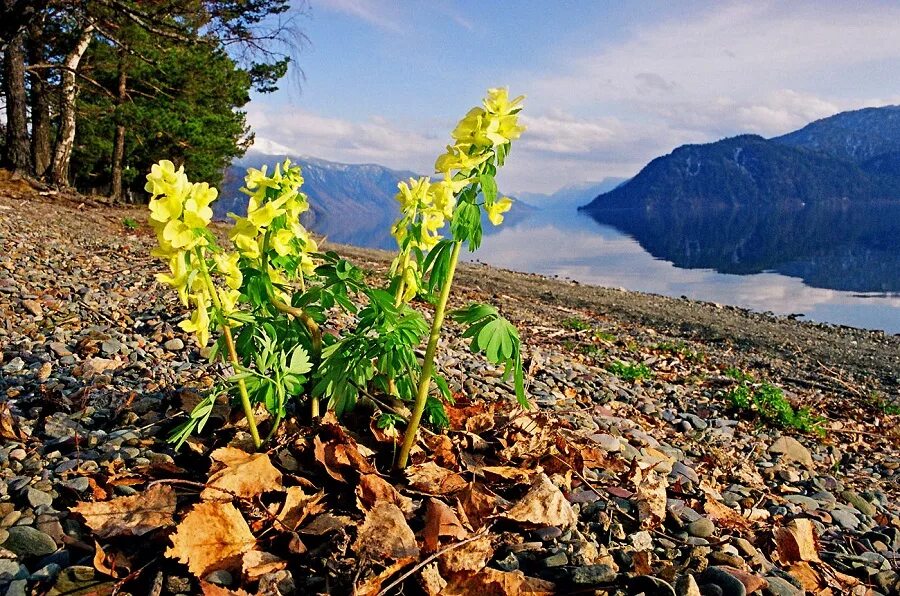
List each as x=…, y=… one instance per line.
x=375, y=13
x=375, y=140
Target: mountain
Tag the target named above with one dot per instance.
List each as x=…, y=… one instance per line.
x=852, y=156
x=349, y=203
x=571, y=195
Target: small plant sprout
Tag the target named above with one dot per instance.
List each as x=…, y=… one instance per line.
x=130, y=223
x=270, y=293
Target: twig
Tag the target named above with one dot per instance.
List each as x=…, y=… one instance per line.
x=431, y=558
x=131, y=576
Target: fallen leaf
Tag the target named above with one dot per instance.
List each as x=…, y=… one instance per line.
x=340, y=458
x=492, y=582
x=113, y=564
x=441, y=449
x=508, y=473
x=543, y=505
x=385, y=534
x=431, y=581
x=480, y=423
x=213, y=535
x=477, y=505
x=257, y=563
x=726, y=517
x=640, y=562
x=440, y=522
x=811, y=580
x=373, y=489
x=134, y=515
x=325, y=524
x=470, y=557
x=208, y=589
x=797, y=542
x=298, y=506
x=433, y=479
x=240, y=473
x=9, y=430
x=372, y=586
x=651, y=501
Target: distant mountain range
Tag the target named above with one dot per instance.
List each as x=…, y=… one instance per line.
x=572, y=195
x=852, y=156
x=349, y=203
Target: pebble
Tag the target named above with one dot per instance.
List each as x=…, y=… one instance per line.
x=701, y=528
x=174, y=345
x=792, y=450
x=26, y=541
x=591, y=575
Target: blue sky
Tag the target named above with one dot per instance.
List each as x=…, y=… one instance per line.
x=609, y=85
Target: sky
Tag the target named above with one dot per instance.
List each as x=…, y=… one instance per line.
x=608, y=85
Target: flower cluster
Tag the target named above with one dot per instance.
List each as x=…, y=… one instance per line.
x=426, y=205
x=273, y=220
x=180, y=213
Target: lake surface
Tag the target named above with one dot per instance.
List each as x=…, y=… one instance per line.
x=834, y=265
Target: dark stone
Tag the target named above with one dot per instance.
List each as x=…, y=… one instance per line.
x=589, y=575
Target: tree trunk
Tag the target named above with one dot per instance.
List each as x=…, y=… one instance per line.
x=59, y=173
x=119, y=141
x=18, y=151
x=40, y=105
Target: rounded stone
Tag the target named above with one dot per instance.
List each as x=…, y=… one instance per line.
x=701, y=528
x=26, y=541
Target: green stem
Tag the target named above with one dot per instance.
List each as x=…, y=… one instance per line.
x=428, y=363
x=229, y=344
x=315, y=332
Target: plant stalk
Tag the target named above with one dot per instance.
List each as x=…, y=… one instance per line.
x=232, y=352
x=428, y=363
x=298, y=313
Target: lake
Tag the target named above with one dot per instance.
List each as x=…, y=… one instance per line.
x=834, y=265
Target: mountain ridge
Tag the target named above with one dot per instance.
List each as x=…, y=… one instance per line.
x=851, y=156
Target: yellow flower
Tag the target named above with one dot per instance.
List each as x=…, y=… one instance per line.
x=228, y=299
x=457, y=158
x=164, y=179
x=410, y=282
x=281, y=242
x=443, y=194
x=498, y=102
x=197, y=213
x=497, y=209
x=307, y=265
x=178, y=235
x=264, y=215
x=179, y=277
x=413, y=194
x=227, y=264
x=244, y=236
x=199, y=321
x=167, y=208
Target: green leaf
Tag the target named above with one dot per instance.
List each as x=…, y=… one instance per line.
x=488, y=188
x=299, y=364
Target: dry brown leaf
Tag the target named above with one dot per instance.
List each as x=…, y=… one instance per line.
x=441, y=449
x=113, y=564
x=440, y=522
x=431, y=581
x=372, y=586
x=470, y=557
x=477, y=505
x=134, y=515
x=211, y=536
x=325, y=524
x=492, y=582
x=797, y=542
x=385, y=534
x=508, y=473
x=257, y=563
x=298, y=506
x=341, y=457
x=651, y=501
x=373, y=489
x=480, y=423
x=811, y=580
x=543, y=505
x=9, y=429
x=433, y=479
x=209, y=589
x=726, y=517
x=458, y=415
x=240, y=473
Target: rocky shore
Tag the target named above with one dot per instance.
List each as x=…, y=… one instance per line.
x=663, y=485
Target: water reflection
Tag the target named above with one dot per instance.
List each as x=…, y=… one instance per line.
x=730, y=259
